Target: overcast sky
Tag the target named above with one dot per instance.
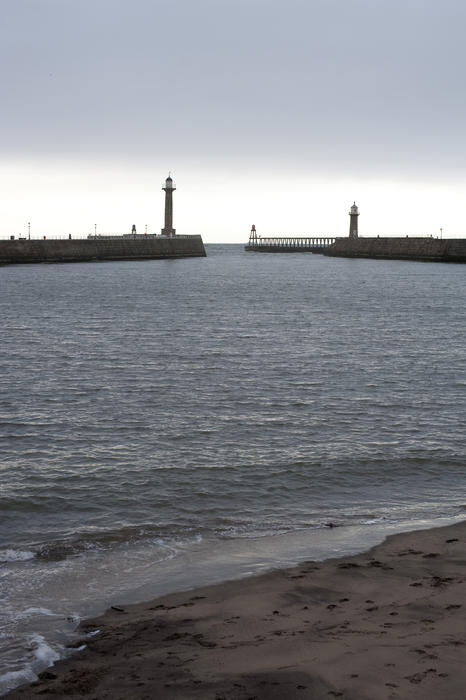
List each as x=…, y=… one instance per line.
x=274, y=113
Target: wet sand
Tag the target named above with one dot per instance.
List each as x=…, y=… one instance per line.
x=386, y=624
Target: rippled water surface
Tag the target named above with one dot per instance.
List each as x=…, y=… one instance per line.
x=162, y=419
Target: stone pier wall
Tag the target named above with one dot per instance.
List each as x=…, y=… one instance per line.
x=426, y=249
x=95, y=249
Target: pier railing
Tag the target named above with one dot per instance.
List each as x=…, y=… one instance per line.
x=97, y=236
x=140, y=236
x=289, y=243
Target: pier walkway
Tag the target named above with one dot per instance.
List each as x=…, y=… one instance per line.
x=289, y=244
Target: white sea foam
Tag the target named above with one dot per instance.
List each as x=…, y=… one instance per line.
x=15, y=555
x=12, y=679
x=42, y=654
x=373, y=521
x=42, y=651
x=37, y=611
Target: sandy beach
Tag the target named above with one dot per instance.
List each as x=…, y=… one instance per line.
x=389, y=623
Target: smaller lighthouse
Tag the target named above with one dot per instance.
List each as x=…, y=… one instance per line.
x=353, y=213
x=168, y=229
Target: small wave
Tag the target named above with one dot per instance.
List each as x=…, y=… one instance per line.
x=58, y=552
x=12, y=679
x=42, y=651
x=29, y=612
x=87, y=542
x=7, y=555
x=373, y=520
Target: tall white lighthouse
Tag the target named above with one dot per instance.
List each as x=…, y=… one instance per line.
x=354, y=213
x=168, y=229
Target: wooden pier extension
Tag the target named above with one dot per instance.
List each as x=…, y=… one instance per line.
x=289, y=244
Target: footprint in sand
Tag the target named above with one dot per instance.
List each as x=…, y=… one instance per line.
x=419, y=677
x=406, y=552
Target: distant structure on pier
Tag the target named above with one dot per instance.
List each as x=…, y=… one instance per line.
x=98, y=246
x=425, y=248
x=312, y=244
x=354, y=213
x=168, y=229
x=287, y=244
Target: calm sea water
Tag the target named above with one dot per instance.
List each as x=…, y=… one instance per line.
x=169, y=423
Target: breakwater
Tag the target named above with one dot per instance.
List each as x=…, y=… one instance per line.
x=424, y=249
x=99, y=249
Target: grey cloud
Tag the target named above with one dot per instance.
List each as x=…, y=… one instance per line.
x=332, y=83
